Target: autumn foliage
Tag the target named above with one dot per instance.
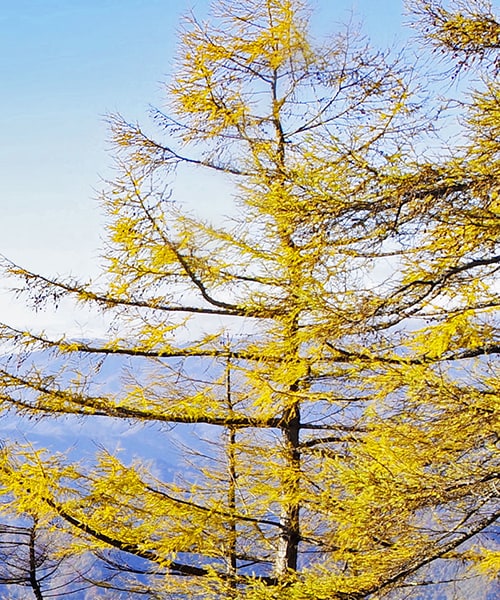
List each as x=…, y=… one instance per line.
x=333, y=342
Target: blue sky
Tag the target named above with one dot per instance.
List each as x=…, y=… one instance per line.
x=63, y=65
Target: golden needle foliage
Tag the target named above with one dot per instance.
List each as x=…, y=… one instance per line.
x=336, y=341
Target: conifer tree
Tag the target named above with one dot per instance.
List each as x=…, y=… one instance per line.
x=34, y=562
x=334, y=341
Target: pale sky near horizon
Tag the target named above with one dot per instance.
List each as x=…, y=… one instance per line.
x=64, y=64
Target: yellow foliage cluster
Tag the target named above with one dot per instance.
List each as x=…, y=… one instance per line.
x=334, y=345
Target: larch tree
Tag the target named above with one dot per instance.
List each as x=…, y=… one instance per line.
x=333, y=342
x=35, y=563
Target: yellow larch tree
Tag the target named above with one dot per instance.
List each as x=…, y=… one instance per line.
x=333, y=341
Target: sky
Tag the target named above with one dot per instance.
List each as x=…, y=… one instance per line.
x=65, y=64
